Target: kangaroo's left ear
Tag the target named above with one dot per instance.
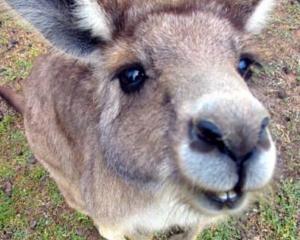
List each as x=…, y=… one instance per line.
x=250, y=15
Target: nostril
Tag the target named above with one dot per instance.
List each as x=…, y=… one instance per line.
x=209, y=136
x=208, y=131
x=263, y=127
x=264, y=141
x=265, y=123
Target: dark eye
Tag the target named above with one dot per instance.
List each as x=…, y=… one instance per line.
x=244, y=65
x=132, y=78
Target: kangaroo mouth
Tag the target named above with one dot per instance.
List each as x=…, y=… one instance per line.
x=217, y=184
x=214, y=203
x=224, y=200
x=218, y=202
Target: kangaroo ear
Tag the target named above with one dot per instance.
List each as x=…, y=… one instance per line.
x=250, y=15
x=77, y=27
x=259, y=17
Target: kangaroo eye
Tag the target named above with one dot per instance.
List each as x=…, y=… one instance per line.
x=244, y=65
x=132, y=78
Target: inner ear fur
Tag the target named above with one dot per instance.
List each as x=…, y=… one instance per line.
x=76, y=27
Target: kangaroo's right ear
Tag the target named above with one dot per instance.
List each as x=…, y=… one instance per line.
x=77, y=27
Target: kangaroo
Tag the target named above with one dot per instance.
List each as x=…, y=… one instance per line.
x=142, y=114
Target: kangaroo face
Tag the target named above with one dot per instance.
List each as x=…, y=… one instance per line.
x=174, y=109
x=179, y=110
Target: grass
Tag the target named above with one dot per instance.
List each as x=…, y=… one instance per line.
x=31, y=206
x=223, y=231
x=281, y=216
x=17, y=51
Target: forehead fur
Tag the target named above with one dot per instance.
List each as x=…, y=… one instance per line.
x=185, y=22
x=194, y=38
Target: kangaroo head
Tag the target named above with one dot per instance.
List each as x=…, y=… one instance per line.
x=174, y=108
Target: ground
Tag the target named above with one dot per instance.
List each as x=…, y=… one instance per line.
x=31, y=206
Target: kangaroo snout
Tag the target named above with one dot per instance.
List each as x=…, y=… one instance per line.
x=227, y=139
x=239, y=139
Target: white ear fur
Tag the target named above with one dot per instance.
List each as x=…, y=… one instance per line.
x=92, y=17
x=260, y=16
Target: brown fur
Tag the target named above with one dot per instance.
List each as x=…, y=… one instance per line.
x=117, y=157
x=13, y=99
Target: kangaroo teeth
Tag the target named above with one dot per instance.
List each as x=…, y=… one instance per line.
x=227, y=196
x=232, y=195
x=223, y=196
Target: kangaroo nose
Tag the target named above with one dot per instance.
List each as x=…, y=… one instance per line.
x=238, y=142
x=208, y=131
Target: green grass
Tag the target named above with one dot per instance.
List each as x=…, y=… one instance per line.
x=6, y=210
x=20, y=70
x=224, y=231
x=16, y=50
x=281, y=217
